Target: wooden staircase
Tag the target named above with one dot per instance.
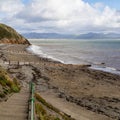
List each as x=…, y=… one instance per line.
x=16, y=107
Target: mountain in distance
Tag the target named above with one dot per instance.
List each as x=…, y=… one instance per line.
x=72, y=36
x=99, y=36
x=47, y=35
x=9, y=36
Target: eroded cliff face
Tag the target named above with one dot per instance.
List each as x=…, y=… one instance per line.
x=9, y=36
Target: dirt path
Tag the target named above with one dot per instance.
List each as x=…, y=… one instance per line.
x=16, y=107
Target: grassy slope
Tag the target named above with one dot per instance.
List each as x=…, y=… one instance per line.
x=9, y=33
x=7, y=85
x=43, y=108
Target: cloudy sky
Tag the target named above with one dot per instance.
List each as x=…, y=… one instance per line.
x=61, y=16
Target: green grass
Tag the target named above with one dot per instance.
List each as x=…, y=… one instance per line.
x=9, y=35
x=2, y=95
x=8, y=32
x=3, y=80
x=6, y=81
x=15, y=86
x=39, y=108
x=8, y=85
x=42, y=113
x=41, y=100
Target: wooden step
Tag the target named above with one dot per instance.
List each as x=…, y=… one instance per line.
x=16, y=107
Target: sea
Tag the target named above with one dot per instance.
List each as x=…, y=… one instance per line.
x=101, y=54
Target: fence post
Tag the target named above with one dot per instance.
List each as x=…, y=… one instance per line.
x=9, y=62
x=32, y=103
x=32, y=100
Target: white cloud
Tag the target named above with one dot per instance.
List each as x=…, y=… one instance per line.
x=10, y=7
x=68, y=16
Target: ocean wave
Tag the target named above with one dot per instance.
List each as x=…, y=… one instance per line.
x=38, y=51
x=106, y=69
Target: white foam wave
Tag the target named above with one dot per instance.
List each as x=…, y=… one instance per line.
x=38, y=51
x=106, y=69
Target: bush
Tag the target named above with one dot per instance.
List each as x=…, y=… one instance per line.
x=3, y=80
x=8, y=85
x=39, y=108
x=40, y=99
x=15, y=88
x=50, y=117
x=2, y=95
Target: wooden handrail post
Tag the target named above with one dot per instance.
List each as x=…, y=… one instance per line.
x=32, y=101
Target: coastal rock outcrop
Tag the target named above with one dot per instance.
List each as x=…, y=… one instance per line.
x=10, y=36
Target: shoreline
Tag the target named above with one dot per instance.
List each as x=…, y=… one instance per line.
x=93, y=93
x=96, y=66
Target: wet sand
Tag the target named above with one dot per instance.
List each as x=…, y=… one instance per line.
x=81, y=92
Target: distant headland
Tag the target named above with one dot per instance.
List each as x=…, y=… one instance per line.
x=10, y=36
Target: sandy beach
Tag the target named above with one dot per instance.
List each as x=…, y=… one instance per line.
x=77, y=90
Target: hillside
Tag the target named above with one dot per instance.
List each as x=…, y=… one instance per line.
x=9, y=35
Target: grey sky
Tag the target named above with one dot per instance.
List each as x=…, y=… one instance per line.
x=61, y=16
